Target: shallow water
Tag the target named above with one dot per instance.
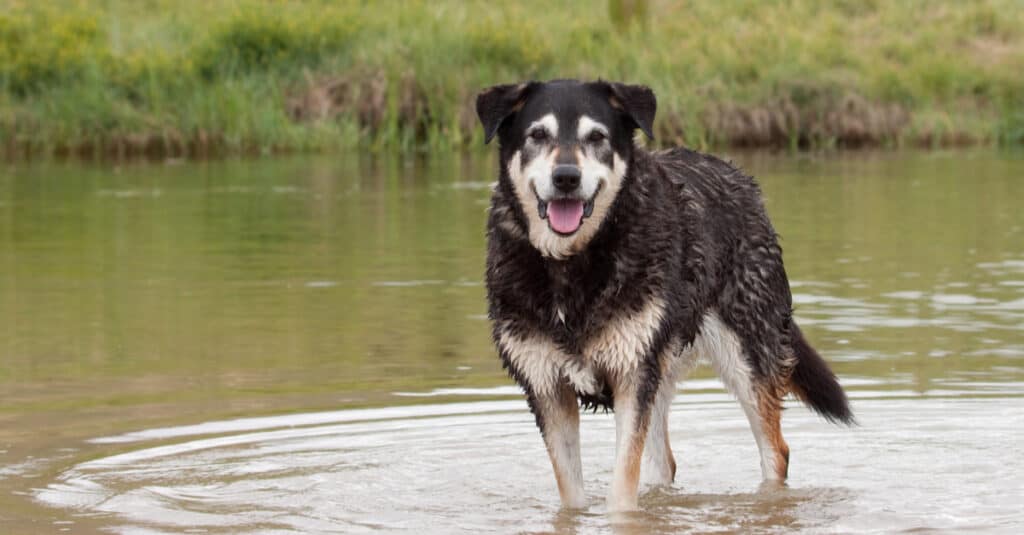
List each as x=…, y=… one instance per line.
x=299, y=345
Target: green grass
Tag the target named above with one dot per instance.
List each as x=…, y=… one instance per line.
x=168, y=77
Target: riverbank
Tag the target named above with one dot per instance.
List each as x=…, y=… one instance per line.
x=255, y=76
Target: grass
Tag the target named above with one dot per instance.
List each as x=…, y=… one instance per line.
x=240, y=76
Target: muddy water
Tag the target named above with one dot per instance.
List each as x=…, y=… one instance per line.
x=298, y=345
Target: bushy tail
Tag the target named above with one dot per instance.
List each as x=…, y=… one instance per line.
x=815, y=384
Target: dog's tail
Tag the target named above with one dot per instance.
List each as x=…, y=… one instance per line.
x=814, y=383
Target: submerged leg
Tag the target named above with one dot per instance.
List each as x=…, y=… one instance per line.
x=761, y=402
x=659, y=465
x=559, y=421
x=631, y=423
x=763, y=407
x=537, y=363
x=768, y=433
x=764, y=413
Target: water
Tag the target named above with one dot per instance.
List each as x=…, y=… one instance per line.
x=299, y=345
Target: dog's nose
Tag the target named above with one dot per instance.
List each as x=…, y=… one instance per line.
x=566, y=177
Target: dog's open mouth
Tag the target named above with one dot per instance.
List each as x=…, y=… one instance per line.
x=565, y=215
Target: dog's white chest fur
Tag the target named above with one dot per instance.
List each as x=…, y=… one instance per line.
x=624, y=342
x=616, y=350
x=619, y=347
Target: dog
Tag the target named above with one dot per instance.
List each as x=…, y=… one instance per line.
x=612, y=269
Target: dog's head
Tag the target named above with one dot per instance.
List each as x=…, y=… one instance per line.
x=565, y=146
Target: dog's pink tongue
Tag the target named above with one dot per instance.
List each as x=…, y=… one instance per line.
x=565, y=215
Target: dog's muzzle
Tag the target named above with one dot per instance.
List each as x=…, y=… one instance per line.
x=565, y=214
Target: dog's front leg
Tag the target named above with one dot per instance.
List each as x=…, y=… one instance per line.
x=537, y=365
x=631, y=421
x=559, y=420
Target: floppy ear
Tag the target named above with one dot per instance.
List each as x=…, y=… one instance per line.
x=495, y=104
x=638, y=102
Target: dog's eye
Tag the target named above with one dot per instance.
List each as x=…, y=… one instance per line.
x=596, y=136
x=539, y=134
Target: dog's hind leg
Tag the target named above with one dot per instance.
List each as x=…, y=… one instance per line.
x=659, y=465
x=765, y=417
x=761, y=402
x=559, y=420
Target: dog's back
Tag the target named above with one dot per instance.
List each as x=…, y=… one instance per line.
x=747, y=281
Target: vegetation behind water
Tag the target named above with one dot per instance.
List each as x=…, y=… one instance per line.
x=168, y=77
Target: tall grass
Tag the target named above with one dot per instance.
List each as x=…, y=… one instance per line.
x=171, y=77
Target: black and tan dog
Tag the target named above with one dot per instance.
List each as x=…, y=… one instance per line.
x=611, y=269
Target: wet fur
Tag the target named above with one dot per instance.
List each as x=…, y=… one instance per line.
x=683, y=263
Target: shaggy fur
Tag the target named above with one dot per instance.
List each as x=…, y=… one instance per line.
x=681, y=262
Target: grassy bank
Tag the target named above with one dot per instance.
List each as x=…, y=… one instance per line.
x=168, y=77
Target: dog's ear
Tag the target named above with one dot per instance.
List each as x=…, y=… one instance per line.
x=495, y=104
x=638, y=102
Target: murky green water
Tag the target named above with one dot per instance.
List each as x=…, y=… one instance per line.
x=299, y=345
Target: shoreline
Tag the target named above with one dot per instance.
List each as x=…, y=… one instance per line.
x=730, y=153
x=119, y=79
